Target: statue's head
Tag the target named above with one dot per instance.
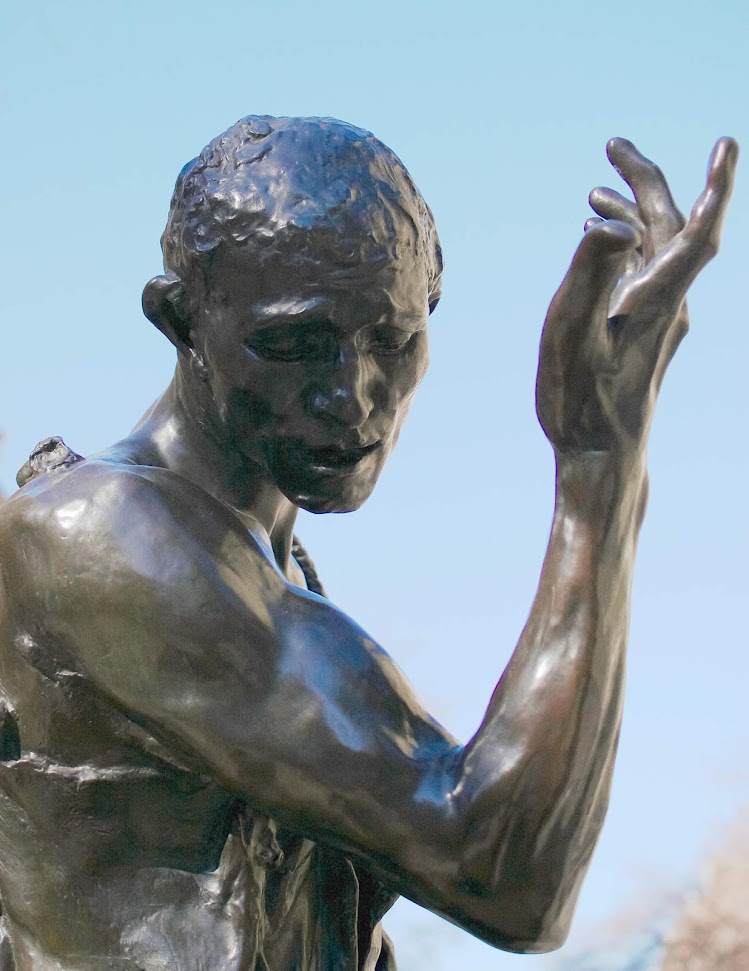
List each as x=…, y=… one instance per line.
x=301, y=265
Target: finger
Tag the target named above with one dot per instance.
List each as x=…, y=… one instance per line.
x=590, y=223
x=651, y=294
x=671, y=272
x=612, y=205
x=706, y=219
x=596, y=266
x=655, y=203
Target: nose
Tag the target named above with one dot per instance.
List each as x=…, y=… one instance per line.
x=343, y=394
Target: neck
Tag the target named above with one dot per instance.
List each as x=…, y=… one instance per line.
x=182, y=433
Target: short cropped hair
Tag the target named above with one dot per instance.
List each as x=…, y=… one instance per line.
x=299, y=188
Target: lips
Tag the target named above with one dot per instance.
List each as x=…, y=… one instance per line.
x=338, y=458
x=298, y=459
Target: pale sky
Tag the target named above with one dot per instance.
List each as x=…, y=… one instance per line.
x=501, y=111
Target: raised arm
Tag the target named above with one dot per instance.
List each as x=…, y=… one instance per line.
x=185, y=622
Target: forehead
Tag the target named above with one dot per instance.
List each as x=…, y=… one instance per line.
x=368, y=280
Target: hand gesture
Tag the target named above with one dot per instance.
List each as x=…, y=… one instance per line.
x=620, y=312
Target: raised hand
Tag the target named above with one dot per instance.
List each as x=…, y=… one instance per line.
x=620, y=312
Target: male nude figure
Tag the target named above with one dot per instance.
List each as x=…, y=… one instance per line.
x=206, y=767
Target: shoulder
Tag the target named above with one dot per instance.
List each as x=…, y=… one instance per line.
x=131, y=561
x=94, y=493
x=115, y=515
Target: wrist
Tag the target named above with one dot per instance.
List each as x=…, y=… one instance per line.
x=601, y=486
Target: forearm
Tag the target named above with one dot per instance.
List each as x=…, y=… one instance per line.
x=535, y=778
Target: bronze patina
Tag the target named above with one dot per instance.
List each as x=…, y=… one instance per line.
x=207, y=766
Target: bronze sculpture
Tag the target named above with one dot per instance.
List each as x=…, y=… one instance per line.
x=205, y=766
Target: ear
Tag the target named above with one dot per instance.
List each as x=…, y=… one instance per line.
x=165, y=305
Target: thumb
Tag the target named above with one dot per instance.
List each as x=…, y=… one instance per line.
x=597, y=265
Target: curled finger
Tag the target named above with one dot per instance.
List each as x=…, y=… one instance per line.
x=612, y=205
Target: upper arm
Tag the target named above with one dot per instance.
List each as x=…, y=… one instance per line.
x=172, y=609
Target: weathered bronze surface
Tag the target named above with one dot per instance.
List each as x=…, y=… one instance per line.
x=205, y=766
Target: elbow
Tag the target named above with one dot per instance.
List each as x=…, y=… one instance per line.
x=538, y=934
x=524, y=926
x=523, y=908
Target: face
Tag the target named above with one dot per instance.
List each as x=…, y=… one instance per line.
x=313, y=371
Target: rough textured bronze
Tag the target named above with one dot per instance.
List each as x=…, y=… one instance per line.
x=207, y=767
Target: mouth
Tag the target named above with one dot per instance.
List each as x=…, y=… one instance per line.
x=326, y=478
x=297, y=459
x=335, y=459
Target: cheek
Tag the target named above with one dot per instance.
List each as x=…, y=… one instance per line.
x=402, y=380
x=247, y=388
x=256, y=400
x=245, y=410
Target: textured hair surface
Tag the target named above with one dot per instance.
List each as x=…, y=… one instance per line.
x=305, y=189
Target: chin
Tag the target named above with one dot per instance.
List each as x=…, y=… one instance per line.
x=320, y=506
x=330, y=500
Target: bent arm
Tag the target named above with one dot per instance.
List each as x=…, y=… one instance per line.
x=175, y=612
x=545, y=750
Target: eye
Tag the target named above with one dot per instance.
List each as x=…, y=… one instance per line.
x=385, y=339
x=310, y=340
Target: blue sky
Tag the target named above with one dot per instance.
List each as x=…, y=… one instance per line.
x=501, y=111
